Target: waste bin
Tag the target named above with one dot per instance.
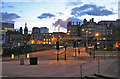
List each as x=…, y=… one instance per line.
x=21, y=61
x=33, y=60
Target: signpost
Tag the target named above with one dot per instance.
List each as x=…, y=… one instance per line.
x=57, y=47
x=65, y=51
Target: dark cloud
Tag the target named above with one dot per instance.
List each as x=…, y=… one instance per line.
x=90, y=9
x=46, y=15
x=60, y=13
x=9, y=17
x=64, y=23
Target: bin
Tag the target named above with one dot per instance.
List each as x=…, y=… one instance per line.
x=21, y=61
x=33, y=60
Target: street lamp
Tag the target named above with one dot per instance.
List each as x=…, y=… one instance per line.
x=96, y=35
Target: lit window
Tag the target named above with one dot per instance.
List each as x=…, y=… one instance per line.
x=89, y=32
x=103, y=38
x=89, y=28
x=43, y=42
x=82, y=30
x=49, y=42
x=100, y=39
x=98, y=43
x=97, y=38
x=46, y=42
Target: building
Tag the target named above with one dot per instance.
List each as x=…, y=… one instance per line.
x=47, y=38
x=35, y=30
x=4, y=28
x=14, y=38
x=25, y=29
x=44, y=30
x=73, y=29
x=89, y=29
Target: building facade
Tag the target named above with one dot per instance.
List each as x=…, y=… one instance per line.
x=89, y=29
x=4, y=28
x=44, y=30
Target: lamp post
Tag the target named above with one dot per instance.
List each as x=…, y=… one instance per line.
x=86, y=40
x=96, y=35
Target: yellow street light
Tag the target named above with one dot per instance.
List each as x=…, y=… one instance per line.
x=82, y=30
x=97, y=34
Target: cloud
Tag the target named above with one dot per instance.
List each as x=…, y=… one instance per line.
x=64, y=23
x=10, y=6
x=90, y=9
x=9, y=17
x=73, y=3
x=46, y=15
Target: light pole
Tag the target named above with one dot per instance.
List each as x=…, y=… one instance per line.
x=86, y=41
x=96, y=35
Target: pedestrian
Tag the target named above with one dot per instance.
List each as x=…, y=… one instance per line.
x=79, y=51
x=90, y=52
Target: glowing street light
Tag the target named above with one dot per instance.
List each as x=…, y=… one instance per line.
x=97, y=34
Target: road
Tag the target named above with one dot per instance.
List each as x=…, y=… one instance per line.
x=52, y=54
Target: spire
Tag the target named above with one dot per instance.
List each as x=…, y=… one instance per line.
x=25, y=29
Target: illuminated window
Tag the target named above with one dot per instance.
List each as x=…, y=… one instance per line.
x=49, y=42
x=44, y=39
x=89, y=32
x=97, y=38
x=103, y=38
x=82, y=30
x=89, y=28
x=98, y=43
x=100, y=39
x=43, y=42
x=49, y=34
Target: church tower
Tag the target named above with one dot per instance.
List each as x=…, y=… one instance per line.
x=25, y=29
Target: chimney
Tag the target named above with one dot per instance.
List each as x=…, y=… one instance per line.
x=73, y=23
x=92, y=19
x=79, y=23
x=84, y=21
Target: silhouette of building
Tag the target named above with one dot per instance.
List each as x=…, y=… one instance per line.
x=25, y=29
x=4, y=28
x=21, y=31
x=35, y=30
x=44, y=30
x=13, y=38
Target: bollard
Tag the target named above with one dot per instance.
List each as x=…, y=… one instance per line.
x=33, y=60
x=21, y=61
x=81, y=70
x=28, y=55
x=98, y=66
x=12, y=56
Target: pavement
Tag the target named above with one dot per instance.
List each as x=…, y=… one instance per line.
x=73, y=67
x=52, y=68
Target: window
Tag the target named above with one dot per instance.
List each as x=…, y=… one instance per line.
x=103, y=38
x=89, y=32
